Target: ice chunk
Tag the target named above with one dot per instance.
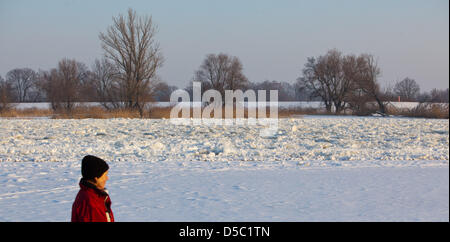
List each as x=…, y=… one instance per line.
x=158, y=146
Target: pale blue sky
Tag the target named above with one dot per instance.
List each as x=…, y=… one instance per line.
x=272, y=38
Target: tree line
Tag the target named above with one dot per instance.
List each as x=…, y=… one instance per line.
x=125, y=77
x=352, y=82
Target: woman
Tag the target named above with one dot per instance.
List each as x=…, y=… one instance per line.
x=92, y=203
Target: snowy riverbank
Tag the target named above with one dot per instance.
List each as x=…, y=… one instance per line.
x=143, y=191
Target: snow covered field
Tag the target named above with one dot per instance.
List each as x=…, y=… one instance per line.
x=312, y=169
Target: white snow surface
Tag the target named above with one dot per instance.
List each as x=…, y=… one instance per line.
x=143, y=191
x=314, y=169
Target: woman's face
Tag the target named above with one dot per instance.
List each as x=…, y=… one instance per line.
x=101, y=181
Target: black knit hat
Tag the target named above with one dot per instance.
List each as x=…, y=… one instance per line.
x=92, y=166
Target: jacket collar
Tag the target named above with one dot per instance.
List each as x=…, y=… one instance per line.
x=85, y=183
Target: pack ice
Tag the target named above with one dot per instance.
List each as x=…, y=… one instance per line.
x=309, y=142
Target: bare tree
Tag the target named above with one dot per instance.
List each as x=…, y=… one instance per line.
x=407, y=89
x=221, y=72
x=48, y=84
x=106, y=83
x=343, y=81
x=286, y=91
x=387, y=92
x=314, y=83
x=354, y=69
x=5, y=95
x=439, y=96
x=22, y=81
x=130, y=45
x=71, y=76
x=163, y=91
x=364, y=73
x=302, y=93
x=62, y=85
x=326, y=78
x=433, y=96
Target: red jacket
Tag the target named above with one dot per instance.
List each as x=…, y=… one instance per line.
x=91, y=205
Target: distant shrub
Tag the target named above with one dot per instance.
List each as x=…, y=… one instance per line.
x=423, y=110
